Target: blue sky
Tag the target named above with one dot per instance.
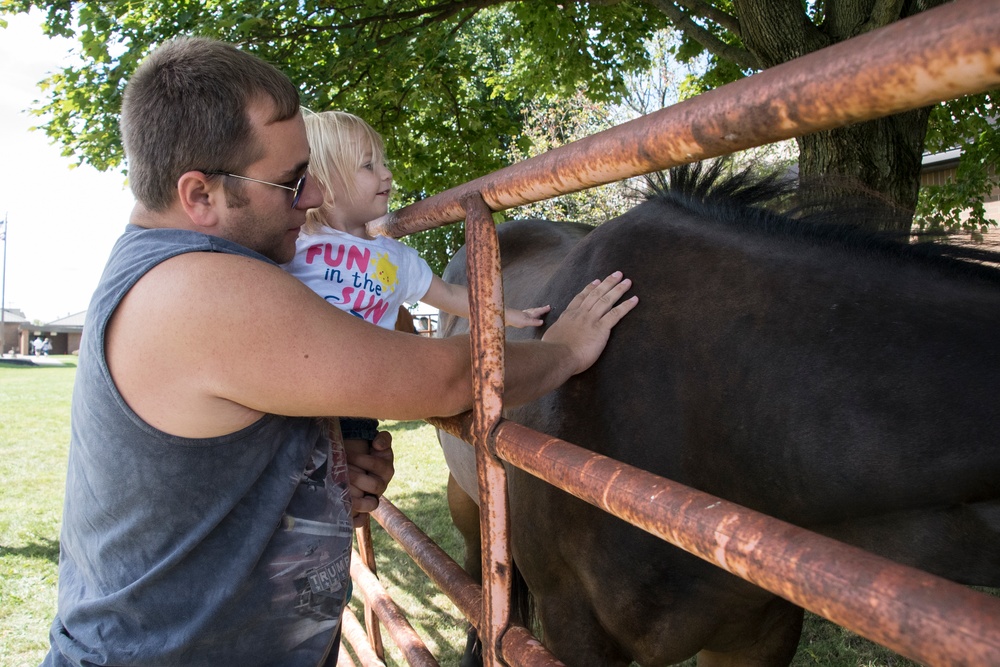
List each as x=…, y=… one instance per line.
x=62, y=221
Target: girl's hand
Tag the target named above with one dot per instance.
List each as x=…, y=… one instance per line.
x=529, y=317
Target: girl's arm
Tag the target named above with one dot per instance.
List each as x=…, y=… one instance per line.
x=454, y=299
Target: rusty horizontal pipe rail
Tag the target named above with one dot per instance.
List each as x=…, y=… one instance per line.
x=520, y=647
x=459, y=426
x=344, y=658
x=432, y=559
x=937, y=55
x=357, y=637
x=918, y=615
x=414, y=651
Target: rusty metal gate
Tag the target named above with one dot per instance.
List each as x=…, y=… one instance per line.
x=937, y=55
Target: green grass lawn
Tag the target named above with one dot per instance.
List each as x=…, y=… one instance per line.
x=34, y=436
x=34, y=433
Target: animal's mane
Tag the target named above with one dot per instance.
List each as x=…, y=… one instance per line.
x=772, y=204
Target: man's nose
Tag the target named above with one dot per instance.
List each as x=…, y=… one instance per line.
x=312, y=195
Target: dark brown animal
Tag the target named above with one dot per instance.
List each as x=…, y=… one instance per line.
x=815, y=373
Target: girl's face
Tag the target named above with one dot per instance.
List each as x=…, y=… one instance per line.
x=366, y=198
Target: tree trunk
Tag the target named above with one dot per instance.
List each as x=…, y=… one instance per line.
x=883, y=156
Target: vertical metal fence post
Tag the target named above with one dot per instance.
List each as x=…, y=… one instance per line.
x=363, y=535
x=487, y=340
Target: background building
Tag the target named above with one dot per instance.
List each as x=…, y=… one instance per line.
x=64, y=334
x=13, y=318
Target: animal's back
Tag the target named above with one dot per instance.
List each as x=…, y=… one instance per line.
x=764, y=344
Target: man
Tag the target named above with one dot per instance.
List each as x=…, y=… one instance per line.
x=207, y=517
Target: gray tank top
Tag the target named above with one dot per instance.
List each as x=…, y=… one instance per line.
x=174, y=551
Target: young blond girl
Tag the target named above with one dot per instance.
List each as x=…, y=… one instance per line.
x=334, y=255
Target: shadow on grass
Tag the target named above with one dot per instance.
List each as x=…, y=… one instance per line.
x=44, y=548
x=17, y=363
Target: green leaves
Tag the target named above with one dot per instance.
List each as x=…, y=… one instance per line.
x=447, y=82
x=444, y=82
x=969, y=125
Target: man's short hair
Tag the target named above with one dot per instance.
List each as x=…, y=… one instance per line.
x=186, y=107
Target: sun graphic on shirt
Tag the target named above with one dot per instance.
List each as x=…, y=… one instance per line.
x=385, y=272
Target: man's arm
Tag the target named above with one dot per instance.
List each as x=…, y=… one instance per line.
x=205, y=343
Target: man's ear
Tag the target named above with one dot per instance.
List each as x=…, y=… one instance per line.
x=201, y=197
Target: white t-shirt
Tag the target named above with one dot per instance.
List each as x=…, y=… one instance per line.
x=369, y=279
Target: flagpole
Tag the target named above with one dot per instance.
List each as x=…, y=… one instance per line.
x=3, y=289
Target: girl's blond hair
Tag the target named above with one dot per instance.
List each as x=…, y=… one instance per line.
x=338, y=143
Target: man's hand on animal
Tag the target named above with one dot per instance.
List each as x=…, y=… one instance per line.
x=586, y=323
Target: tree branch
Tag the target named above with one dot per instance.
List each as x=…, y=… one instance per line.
x=683, y=22
x=431, y=14
x=712, y=13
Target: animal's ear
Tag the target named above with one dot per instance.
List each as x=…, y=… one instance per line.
x=201, y=197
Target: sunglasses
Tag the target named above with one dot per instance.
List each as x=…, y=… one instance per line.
x=296, y=190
